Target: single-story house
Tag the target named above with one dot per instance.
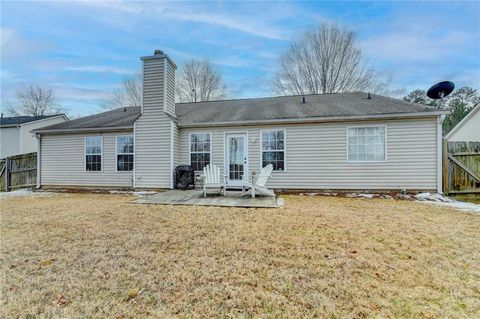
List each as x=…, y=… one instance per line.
x=329, y=141
x=468, y=129
x=16, y=136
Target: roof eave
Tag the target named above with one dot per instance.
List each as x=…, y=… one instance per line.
x=83, y=130
x=319, y=119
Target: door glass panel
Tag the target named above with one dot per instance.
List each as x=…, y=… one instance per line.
x=236, y=158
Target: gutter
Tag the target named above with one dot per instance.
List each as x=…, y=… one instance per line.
x=318, y=119
x=90, y=129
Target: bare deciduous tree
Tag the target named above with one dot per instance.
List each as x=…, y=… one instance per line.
x=325, y=60
x=199, y=81
x=129, y=95
x=34, y=101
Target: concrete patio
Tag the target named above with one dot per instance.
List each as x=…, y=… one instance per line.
x=195, y=197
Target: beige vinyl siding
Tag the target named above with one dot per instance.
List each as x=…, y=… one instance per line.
x=153, y=131
x=316, y=155
x=63, y=161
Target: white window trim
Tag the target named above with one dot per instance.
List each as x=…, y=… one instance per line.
x=190, y=146
x=116, y=153
x=85, y=153
x=284, y=148
x=367, y=161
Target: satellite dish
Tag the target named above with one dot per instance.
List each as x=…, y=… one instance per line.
x=440, y=90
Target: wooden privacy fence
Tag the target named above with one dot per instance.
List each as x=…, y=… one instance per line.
x=18, y=171
x=461, y=167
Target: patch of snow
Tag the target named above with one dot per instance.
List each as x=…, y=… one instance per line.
x=280, y=202
x=433, y=198
x=24, y=192
x=438, y=199
x=118, y=192
x=457, y=205
x=139, y=193
x=360, y=195
x=144, y=193
x=308, y=194
x=329, y=194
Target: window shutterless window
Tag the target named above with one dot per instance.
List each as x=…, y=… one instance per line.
x=273, y=149
x=93, y=153
x=200, y=150
x=366, y=144
x=125, y=147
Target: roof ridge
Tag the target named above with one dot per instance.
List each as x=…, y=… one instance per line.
x=273, y=97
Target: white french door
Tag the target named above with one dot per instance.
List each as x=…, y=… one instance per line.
x=236, y=161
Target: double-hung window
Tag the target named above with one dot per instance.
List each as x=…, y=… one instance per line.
x=93, y=153
x=200, y=150
x=125, y=146
x=366, y=144
x=273, y=149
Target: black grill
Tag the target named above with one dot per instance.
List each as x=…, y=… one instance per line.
x=184, y=177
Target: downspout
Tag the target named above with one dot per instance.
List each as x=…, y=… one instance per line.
x=172, y=150
x=39, y=149
x=20, y=141
x=134, y=177
x=440, y=120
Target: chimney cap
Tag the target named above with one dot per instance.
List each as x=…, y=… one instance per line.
x=158, y=54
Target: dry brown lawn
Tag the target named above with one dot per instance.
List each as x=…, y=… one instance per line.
x=97, y=256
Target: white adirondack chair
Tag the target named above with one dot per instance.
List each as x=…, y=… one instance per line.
x=212, y=179
x=259, y=186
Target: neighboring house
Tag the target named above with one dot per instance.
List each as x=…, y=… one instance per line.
x=16, y=136
x=468, y=129
x=329, y=141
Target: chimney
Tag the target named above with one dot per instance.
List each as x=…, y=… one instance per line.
x=158, y=83
x=368, y=96
x=303, y=99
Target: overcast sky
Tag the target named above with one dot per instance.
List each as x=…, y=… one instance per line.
x=83, y=50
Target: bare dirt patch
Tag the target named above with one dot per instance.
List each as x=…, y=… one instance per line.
x=96, y=256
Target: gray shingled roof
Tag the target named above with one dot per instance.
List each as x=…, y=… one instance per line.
x=17, y=120
x=257, y=110
x=121, y=117
x=291, y=107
